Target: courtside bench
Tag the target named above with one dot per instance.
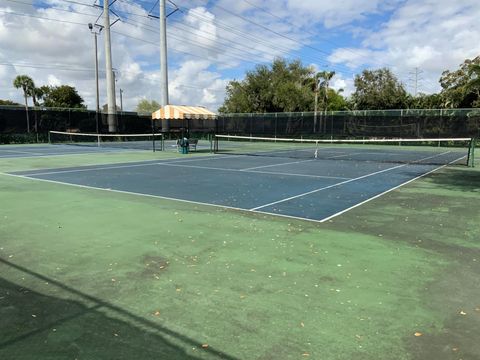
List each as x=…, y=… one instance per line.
x=192, y=144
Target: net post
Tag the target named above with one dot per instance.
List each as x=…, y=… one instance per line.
x=215, y=144
x=153, y=135
x=49, y=140
x=471, y=153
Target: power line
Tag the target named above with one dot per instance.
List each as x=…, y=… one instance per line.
x=275, y=45
x=293, y=40
x=245, y=48
x=255, y=39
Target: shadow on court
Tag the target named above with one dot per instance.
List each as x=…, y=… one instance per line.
x=458, y=178
x=37, y=326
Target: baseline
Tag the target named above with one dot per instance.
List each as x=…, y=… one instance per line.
x=252, y=171
x=344, y=182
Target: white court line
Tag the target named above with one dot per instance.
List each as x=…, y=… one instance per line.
x=66, y=154
x=89, y=169
x=287, y=163
x=161, y=197
x=387, y=191
x=203, y=158
x=21, y=152
x=221, y=206
x=343, y=155
x=103, y=167
x=367, y=153
x=250, y=171
x=124, y=192
x=341, y=183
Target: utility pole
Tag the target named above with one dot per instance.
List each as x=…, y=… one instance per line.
x=111, y=107
x=163, y=63
x=95, y=33
x=121, y=100
x=163, y=56
x=316, y=104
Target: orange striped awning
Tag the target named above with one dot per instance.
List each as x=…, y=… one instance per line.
x=182, y=112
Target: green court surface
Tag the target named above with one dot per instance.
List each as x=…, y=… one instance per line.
x=92, y=274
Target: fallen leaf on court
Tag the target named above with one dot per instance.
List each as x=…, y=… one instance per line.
x=418, y=334
x=454, y=349
x=305, y=354
x=34, y=316
x=462, y=312
x=156, y=313
x=205, y=346
x=302, y=324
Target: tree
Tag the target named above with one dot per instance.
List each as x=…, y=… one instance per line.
x=323, y=85
x=320, y=86
x=336, y=101
x=378, y=89
x=26, y=84
x=8, y=103
x=63, y=96
x=145, y=106
x=474, y=82
x=282, y=87
x=460, y=88
x=425, y=101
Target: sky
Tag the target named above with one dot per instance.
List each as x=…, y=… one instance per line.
x=211, y=42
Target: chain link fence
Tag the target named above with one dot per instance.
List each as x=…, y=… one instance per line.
x=406, y=123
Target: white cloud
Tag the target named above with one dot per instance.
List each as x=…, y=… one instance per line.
x=430, y=35
x=209, y=45
x=52, y=80
x=336, y=13
x=344, y=84
x=194, y=84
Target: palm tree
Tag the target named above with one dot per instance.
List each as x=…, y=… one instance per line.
x=322, y=80
x=26, y=84
x=36, y=94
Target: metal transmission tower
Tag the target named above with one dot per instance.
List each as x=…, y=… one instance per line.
x=163, y=57
x=415, y=79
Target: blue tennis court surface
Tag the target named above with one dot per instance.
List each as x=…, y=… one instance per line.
x=310, y=189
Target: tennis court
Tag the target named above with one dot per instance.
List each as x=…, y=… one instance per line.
x=254, y=252
x=311, y=189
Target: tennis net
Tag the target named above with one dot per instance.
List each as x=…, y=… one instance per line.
x=440, y=151
x=154, y=142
